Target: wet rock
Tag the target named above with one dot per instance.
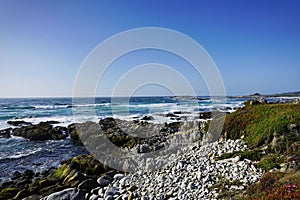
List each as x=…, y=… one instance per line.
x=8, y=193
x=19, y=123
x=16, y=175
x=21, y=194
x=72, y=129
x=171, y=115
x=5, y=133
x=28, y=174
x=39, y=132
x=50, y=122
x=147, y=118
x=205, y=115
x=88, y=184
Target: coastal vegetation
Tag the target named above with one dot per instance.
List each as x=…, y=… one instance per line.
x=272, y=133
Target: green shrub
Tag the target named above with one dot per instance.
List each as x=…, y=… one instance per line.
x=258, y=123
x=269, y=162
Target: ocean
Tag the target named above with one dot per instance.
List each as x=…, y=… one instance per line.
x=19, y=154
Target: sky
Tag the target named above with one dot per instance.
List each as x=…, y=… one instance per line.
x=255, y=44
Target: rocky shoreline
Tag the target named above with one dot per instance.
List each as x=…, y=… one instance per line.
x=193, y=175
x=232, y=167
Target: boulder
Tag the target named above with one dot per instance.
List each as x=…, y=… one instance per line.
x=88, y=184
x=171, y=115
x=104, y=180
x=8, y=193
x=205, y=115
x=83, y=130
x=5, y=133
x=147, y=118
x=67, y=194
x=40, y=132
x=111, y=191
x=144, y=148
x=18, y=123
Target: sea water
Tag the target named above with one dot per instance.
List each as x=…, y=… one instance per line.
x=19, y=154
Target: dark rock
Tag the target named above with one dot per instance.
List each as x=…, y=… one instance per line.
x=144, y=148
x=40, y=132
x=80, y=171
x=49, y=122
x=45, y=183
x=18, y=123
x=205, y=115
x=78, y=130
x=158, y=147
x=147, y=118
x=22, y=183
x=7, y=184
x=88, y=184
x=67, y=194
x=107, y=123
x=28, y=174
x=171, y=115
x=73, y=133
x=8, y=193
x=5, y=133
x=16, y=175
x=178, y=118
x=177, y=112
x=21, y=194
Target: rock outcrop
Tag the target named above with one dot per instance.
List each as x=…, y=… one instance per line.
x=40, y=132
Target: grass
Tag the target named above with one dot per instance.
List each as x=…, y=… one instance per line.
x=268, y=127
x=269, y=162
x=258, y=123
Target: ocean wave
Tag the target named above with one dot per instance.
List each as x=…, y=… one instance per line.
x=69, y=106
x=154, y=105
x=20, y=154
x=90, y=105
x=17, y=107
x=50, y=106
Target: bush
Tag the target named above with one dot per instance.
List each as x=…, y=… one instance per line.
x=269, y=162
x=258, y=123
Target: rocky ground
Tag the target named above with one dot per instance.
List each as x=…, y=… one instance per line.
x=192, y=175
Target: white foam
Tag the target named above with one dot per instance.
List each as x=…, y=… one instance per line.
x=69, y=106
x=21, y=154
x=50, y=106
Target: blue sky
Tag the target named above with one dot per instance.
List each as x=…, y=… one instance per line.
x=255, y=44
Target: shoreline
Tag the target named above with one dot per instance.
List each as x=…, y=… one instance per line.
x=230, y=155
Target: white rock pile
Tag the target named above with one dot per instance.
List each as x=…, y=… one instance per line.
x=193, y=175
